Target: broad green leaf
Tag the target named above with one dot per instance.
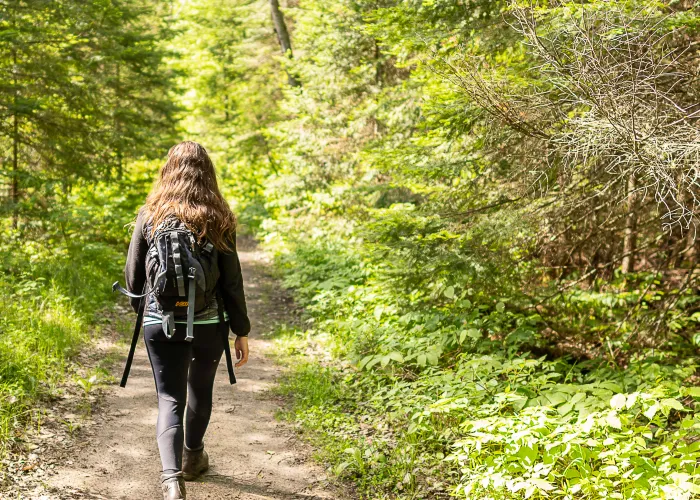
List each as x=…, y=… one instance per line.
x=372, y=362
x=365, y=360
x=432, y=357
x=610, y=470
x=692, y=391
x=565, y=408
x=474, y=333
x=462, y=336
x=341, y=467
x=579, y=396
x=672, y=403
x=542, y=484
x=396, y=356
x=651, y=411
x=618, y=401
x=613, y=420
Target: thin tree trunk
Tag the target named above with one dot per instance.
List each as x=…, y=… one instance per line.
x=117, y=125
x=378, y=82
x=690, y=252
x=283, y=37
x=14, y=184
x=630, y=240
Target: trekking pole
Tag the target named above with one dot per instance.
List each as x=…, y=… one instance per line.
x=137, y=328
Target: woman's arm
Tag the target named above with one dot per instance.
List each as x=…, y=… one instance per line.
x=231, y=283
x=135, y=270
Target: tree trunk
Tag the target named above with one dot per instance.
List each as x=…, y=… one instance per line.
x=283, y=37
x=117, y=126
x=14, y=183
x=690, y=252
x=378, y=70
x=630, y=241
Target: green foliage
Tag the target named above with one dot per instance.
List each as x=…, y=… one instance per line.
x=226, y=61
x=54, y=287
x=441, y=397
x=84, y=91
x=453, y=192
x=85, y=95
x=450, y=192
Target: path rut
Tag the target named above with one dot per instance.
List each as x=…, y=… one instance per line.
x=254, y=457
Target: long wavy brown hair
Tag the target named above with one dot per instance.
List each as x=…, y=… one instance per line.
x=187, y=190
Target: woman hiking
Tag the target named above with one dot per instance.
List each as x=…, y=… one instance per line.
x=186, y=222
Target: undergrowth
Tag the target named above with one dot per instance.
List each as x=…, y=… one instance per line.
x=55, y=289
x=437, y=392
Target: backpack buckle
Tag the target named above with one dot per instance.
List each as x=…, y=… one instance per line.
x=192, y=273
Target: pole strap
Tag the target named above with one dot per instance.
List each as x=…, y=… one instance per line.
x=116, y=287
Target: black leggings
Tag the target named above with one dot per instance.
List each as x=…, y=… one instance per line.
x=181, y=368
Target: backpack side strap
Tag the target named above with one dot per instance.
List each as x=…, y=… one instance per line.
x=224, y=335
x=175, y=243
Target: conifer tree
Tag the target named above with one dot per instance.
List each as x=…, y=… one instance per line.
x=81, y=87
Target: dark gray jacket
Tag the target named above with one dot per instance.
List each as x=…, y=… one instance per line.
x=230, y=281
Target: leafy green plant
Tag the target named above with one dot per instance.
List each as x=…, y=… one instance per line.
x=87, y=384
x=54, y=289
x=441, y=394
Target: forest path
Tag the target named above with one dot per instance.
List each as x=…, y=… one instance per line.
x=253, y=456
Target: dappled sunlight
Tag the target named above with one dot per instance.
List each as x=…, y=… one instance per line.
x=467, y=232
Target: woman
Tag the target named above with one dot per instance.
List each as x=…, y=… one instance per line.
x=187, y=191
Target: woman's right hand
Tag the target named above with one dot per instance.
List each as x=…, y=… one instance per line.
x=241, y=348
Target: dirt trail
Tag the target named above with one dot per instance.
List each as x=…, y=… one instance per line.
x=253, y=456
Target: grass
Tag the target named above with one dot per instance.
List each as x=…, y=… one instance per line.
x=55, y=296
x=332, y=412
x=47, y=316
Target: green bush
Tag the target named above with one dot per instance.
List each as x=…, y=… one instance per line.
x=435, y=390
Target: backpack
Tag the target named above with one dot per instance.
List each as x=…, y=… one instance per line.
x=181, y=273
x=182, y=276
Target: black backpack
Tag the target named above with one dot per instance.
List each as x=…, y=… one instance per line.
x=182, y=275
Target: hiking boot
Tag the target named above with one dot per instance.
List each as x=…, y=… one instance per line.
x=173, y=486
x=194, y=463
